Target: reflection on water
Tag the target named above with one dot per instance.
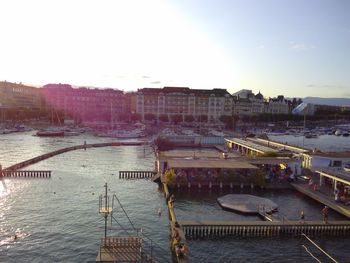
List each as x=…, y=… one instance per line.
x=57, y=221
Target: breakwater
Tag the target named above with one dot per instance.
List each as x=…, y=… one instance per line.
x=67, y=149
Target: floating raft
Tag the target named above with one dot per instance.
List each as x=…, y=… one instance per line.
x=247, y=203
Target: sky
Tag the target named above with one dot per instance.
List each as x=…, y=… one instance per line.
x=296, y=48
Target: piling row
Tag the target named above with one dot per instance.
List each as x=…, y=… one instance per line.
x=136, y=174
x=265, y=230
x=26, y=174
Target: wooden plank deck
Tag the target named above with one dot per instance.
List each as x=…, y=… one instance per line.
x=120, y=249
x=323, y=198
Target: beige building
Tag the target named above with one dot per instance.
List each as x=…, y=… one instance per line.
x=277, y=106
x=246, y=103
x=184, y=102
x=13, y=96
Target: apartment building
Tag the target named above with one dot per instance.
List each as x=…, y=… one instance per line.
x=14, y=96
x=277, y=105
x=182, y=102
x=85, y=104
x=246, y=103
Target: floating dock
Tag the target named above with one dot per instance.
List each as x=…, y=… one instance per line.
x=248, y=204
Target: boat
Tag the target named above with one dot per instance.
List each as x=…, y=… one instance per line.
x=338, y=132
x=71, y=133
x=310, y=135
x=124, y=134
x=48, y=133
x=346, y=134
x=347, y=167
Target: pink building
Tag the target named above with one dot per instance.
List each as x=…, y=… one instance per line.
x=85, y=104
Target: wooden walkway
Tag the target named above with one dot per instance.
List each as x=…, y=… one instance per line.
x=210, y=229
x=322, y=198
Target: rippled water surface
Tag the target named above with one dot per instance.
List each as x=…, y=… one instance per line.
x=56, y=220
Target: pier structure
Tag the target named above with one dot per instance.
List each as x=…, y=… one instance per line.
x=136, y=174
x=131, y=248
x=279, y=145
x=25, y=174
x=215, y=167
x=211, y=229
x=249, y=148
x=209, y=172
x=176, y=231
x=336, y=176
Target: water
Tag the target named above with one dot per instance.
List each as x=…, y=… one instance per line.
x=330, y=143
x=56, y=219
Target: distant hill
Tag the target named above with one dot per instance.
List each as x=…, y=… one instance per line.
x=328, y=101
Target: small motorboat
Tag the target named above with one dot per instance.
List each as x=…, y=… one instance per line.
x=50, y=133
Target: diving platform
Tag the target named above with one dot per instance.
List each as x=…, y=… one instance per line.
x=120, y=249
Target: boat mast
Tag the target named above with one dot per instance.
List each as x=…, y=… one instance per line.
x=304, y=128
x=106, y=207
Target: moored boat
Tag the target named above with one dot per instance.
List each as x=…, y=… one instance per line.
x=50, y=133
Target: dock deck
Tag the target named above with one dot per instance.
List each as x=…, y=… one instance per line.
x=121, y=249
x=322, y=197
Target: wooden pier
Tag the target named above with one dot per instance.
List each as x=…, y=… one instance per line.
x=323, y=199
x=122, y=249
x=26, y=174
x=209, y=229
x=136, y=174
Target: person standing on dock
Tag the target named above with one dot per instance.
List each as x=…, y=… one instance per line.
x=325, y=214
x=302, y=216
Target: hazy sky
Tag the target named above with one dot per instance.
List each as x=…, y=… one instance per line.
x=291, y=47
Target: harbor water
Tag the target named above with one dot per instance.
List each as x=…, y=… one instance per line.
x=57, y=220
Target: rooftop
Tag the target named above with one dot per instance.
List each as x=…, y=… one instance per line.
x=207, y=163
x=253, y=146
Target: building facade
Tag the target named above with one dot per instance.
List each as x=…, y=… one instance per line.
x=13, y=96
x=277, y=106
x=246, y=103
x=184, y=103
x=85, y=104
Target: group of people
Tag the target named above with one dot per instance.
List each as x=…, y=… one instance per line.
x=341, y=194
x=179, y=247
x=276, y=173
